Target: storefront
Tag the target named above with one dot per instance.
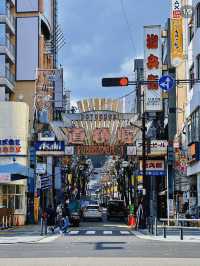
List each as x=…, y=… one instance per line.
x=193, y=173
x=14, y=170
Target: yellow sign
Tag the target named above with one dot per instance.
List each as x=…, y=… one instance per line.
x=140, y=179
x=176, y=41
x=36, y=209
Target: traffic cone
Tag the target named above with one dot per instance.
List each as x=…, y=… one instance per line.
x=131, y=221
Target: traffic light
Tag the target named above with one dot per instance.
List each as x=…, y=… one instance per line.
x=114, y=82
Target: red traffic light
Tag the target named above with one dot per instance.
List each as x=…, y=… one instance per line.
x=114, y=82
x=124, y=82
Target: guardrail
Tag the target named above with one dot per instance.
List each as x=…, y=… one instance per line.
x=153, y=225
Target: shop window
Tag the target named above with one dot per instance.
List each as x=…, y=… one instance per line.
x=198, y=15
x=11, y=196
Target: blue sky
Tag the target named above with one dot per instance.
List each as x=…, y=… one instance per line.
x=100, y=43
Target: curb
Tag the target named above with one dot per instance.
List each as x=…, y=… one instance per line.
x=158, y=238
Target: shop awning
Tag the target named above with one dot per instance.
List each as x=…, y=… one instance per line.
x=18, y=171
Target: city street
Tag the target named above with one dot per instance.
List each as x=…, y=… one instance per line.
x=103, y=242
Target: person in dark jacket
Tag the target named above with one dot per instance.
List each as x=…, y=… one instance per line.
x=51, y=218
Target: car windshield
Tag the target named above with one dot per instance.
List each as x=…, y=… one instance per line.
x=116, y=204
x=92, y=208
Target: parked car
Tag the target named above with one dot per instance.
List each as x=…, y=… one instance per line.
x=116, y=209
x=92, y=212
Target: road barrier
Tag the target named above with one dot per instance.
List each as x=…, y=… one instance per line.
x=153, y=225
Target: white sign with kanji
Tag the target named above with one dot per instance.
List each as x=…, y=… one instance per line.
x=152, y=68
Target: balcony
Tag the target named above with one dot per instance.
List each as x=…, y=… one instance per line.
x=8, y=49
x=8, y=80
x=9, y=20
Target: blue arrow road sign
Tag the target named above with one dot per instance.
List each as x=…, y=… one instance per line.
x=166, y=83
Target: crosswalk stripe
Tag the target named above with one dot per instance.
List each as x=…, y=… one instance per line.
x=90, y=232
x=107, y=232
x=124, y=232
x=73, y=232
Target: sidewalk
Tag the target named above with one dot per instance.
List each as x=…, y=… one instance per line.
x=189, y=236
x=25, y=234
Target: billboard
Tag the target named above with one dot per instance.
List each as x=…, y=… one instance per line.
x=100, y=150
x=125, y=135
x=101, y=135
x=27, y=48
x=152, y=67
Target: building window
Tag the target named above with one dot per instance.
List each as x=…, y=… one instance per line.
x=12, y=196
x=198, y=15
x=191, y=31
x=198, y=66
x=2, y=7
x=2, y=34
x=191, y=76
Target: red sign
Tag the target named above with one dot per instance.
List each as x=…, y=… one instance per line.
x=152, y=41
x=125, y=135
x=100, y=150
x=101, y=135
x=76, y=135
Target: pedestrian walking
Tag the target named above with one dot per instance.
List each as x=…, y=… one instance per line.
x=44, y=222
x=139, y=216
x=51, y=218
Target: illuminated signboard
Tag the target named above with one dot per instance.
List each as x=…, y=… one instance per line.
x=176, y=9
x=157, y=147
x=154, y=168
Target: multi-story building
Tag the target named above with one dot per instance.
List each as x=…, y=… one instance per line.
x=193, y=109
x=7, y=49
x=27, y=43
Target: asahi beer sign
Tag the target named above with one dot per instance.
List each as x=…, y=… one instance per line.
x=152, y=68
x=55, y=148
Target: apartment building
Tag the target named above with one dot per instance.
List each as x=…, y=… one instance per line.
x=26, y=28
x=193, y=108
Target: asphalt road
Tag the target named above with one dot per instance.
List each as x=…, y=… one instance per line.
x=96, y=244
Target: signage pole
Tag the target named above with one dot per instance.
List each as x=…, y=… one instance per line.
x=144, y=158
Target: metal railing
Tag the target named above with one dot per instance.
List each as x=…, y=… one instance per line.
x=164, y=224
x=10, y=46
x=10, y=17
x=10, y=77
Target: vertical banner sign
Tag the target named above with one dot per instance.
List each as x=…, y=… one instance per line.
x=176, y=9
x=176, y=33
x=152, y=68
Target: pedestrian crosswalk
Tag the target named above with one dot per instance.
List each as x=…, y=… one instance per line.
x=83, y=232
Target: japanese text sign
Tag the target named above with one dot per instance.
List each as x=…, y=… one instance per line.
x=152, y=68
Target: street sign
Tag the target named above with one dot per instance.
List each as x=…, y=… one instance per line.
x=45, y=182
x=166, y=83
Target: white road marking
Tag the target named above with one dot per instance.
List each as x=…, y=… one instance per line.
x=124, y=232
x=73, y=232
x=107, y=232
x=90, y=232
